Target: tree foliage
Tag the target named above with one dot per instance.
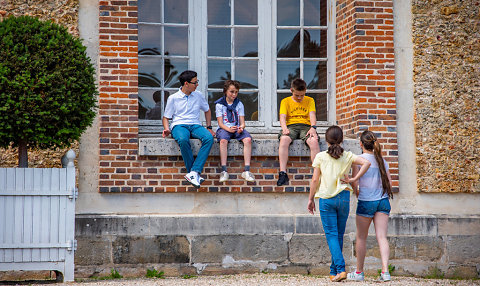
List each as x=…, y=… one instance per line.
x=47, y=85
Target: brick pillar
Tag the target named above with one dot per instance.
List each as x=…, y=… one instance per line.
x=118, y=103
x=365, y=75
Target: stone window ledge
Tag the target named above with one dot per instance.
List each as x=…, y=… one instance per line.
x=155, y=146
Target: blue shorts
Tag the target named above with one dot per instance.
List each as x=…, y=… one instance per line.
x=369, y=208
x=224, y=134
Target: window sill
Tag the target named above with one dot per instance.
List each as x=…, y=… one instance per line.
x=155, y=146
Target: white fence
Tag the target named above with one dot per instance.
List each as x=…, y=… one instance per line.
x=37, y=220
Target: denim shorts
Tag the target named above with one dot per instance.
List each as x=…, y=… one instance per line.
x=224, y=134
x=369, y=208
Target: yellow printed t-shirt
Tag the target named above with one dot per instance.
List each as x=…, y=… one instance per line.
x=297, y=112
x=332, y=170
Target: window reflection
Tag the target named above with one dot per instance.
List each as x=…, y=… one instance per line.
x=218, y=12
x=315, y=74
x=176, y=42
x=311, y=10
x=149, y=11
x=246, y=12
x=320, y=105
x=219, y=42
x=150, y=36
x=288, y=13
x=218, y=72
x=175, y=11
x=286, y=72
x=288, y=43
x=246, y=72
x=173, y=68
x=246, y=44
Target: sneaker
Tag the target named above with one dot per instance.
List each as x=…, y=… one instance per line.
x=340, y=277
x=282, y=178
x=200, y=179
x=384, y=277
x=192, y=179
x=355, y=276
x=223, y=177
x=248, y=176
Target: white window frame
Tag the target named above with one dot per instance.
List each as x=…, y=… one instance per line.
x=267, y=74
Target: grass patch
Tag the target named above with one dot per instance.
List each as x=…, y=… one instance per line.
x=153, y=273
x=188, y=276
x=391, y=269
x=435, y=273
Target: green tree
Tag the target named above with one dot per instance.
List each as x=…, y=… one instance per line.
x=47, y=86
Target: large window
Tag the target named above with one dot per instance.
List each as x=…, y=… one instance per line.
x=263, y=44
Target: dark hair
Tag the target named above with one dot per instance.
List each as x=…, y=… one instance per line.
x=298, y=84
x=370, y=142
x=186, y=76
x=230, y=82
x=157, y=96
x=334, y=136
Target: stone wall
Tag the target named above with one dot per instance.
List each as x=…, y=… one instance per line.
x=63, y=12
x=446, y=38
x=231, y=244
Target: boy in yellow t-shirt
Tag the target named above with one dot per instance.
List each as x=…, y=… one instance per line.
x=297, y=119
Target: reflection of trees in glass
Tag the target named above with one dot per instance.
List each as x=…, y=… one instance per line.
x=249, y=100
x=151, y=80
x=311, y=49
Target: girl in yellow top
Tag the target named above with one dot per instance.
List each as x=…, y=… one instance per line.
x=334, y=196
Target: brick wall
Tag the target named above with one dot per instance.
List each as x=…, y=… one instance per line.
x=366, y=98
x=365, y=79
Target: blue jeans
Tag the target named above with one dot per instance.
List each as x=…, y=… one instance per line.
x=334, y=215
x=182, y=134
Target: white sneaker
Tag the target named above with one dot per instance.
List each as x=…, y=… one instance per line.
x=192, y=179
x=384, y=277
x=223, y=177
x=201, y=179
x=248, y=176
x=355, y=276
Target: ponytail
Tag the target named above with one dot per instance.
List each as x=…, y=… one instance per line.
x=334, y=136
x=370, y=142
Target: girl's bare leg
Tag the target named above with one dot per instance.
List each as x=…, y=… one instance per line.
x=223, y=152
x=247, y=150
x=380, y=220
x=363, y=223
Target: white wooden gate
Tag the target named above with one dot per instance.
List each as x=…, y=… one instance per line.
x=37, y=219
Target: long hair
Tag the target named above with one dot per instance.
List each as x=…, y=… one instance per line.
x=370, y=142
x=334, y=137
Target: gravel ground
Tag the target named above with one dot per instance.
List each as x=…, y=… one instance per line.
x=262, y=280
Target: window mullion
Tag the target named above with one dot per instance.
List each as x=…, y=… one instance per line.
x=331, y=101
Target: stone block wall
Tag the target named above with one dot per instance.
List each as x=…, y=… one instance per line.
x=446, y=39
x=211, y=245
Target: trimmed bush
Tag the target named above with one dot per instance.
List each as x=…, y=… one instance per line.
x=47, y=86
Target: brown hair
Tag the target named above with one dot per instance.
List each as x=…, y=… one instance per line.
x=370, y=142
x=230, y=82
x=298, y=84
x=334, y=137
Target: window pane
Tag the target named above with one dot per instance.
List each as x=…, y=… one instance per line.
x=176, y=11
x=315, y=75
x=176, y=41
x=146, y=101
x=311, y=12
x=218, y=12
x=246, y=72
x=212, y=97
x=219, y=42
x=245, y=12
x=218, y=72
x=149, y=40
x=149, y=11
x=280, y=97
x=315, y=44
x=149, y=71
x=173, y=68
x=288, y=13
x=246, y=42
x=323, y=13
x=250, y=102
x=288, y=43
x=320, y=105
x=286, y=72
